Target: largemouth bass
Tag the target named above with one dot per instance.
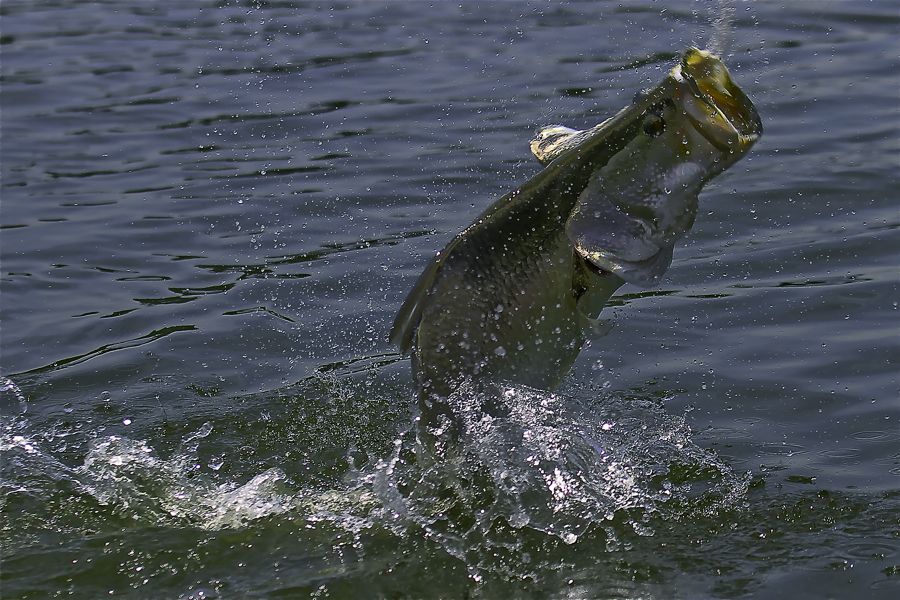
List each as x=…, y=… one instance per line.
x=513, y=296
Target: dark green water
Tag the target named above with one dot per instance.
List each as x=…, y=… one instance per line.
x=211, y=212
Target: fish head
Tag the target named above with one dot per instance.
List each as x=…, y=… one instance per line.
x=641, y=198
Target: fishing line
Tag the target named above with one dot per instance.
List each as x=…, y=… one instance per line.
x=720, y=37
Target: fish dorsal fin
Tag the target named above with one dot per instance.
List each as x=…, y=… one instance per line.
x=407, y=320
x=549, y=142
x=553, y=140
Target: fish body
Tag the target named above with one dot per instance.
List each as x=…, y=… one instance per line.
x=513, y=296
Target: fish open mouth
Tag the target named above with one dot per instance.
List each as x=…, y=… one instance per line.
x=717, y=107
x=623, y=223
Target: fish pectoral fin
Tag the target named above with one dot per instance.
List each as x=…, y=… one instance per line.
x=597, y=327
x=591, y=288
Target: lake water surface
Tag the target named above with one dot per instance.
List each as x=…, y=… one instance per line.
x=211, y=212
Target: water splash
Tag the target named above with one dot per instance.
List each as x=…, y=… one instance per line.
x=720, y=37
x=129, y=478
x=531, y=461
x=533, y=471
x=11, y=394
x=127, y=474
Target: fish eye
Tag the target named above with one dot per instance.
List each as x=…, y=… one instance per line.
x=653, y=125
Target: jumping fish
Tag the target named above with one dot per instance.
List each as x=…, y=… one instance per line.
x=513, y=296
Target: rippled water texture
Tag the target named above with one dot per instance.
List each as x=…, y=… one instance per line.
x=212, y=211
